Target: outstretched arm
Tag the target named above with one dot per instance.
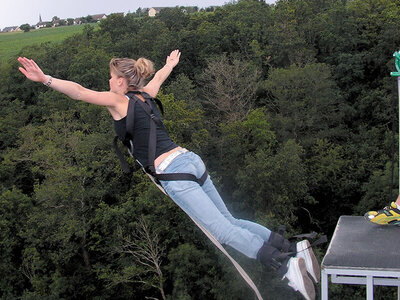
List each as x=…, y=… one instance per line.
x=154, y=85
x=72, y=89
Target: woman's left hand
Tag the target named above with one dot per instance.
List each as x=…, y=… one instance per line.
x=173, y=58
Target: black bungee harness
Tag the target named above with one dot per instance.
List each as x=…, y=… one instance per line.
x=154, y=122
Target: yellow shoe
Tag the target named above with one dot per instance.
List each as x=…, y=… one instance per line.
x=390, y=215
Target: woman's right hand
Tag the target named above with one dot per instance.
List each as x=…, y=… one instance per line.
x=31, y=70
x=173, y=58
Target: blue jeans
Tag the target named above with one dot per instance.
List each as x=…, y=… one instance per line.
x=204, y=204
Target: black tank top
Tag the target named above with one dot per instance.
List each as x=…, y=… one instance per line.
x=141, y=134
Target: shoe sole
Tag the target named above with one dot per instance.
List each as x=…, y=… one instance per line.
x=307, y=282
x=311, y=260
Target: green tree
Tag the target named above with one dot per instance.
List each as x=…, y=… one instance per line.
x=183, y=89
x=14, y=210
x=119, y=27
x=240, y=138
x=25, y=27
x=184, y=125
x=90, y=68
x=274, y=185
x=305, y=104
x=65, y=193
x=192, y=272
x=330, y=182
x=89, y=19
x=174, y=18
x=241, y=23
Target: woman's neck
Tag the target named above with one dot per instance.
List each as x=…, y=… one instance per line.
x=134, y=90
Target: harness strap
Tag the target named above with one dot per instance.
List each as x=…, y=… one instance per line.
x=323, y=239
x=147, y=96
x=124, y=163
x=182, y=176
x=131, y=112
x=312, y=235
x=242, y=272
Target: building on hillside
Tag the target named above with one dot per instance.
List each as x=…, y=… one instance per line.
x=95, y=18
x=41, y=25
x=144, y=11
x=11, y=29
x=190, y=9
x=59, y=22
x=77, y=21
x=154, y=10
x=99, y=17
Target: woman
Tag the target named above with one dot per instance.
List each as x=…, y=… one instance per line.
x=202, y=202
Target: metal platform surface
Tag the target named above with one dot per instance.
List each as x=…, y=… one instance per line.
x=361, y=252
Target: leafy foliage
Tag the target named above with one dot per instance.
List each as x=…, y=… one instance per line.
x=290, y=106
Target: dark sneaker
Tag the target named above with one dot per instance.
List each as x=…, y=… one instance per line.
x=298, y=278
x=390, y=215
x=305, y=251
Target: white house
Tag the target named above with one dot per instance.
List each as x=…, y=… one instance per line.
x=41, y=25
x=154, y=10
x=99, y=17
x=11, y=29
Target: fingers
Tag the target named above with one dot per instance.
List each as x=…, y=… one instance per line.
x=25, y=63
x=175, y=54
x=30, y=69
x=23, y=71
x=28, y=63
x=35, y=65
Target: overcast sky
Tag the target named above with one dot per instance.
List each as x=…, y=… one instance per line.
x=18, y=12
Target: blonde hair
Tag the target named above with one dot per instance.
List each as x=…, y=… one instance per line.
x=134, y=71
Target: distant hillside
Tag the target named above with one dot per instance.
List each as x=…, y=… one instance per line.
x=12, y=43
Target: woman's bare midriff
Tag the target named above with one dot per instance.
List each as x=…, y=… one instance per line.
x=163, y=156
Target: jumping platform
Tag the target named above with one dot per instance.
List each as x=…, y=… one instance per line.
x=362, y=253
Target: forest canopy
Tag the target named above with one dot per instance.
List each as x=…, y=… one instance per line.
x=290, y=105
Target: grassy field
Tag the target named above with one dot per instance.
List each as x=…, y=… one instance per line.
x=11, y=43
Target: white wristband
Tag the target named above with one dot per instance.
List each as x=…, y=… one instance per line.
x=48, y=83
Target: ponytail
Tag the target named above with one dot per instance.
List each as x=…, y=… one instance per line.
x=135, y=72
x=144, y=67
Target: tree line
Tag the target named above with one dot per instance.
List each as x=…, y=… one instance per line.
x=56, y=21
x=291, y=106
